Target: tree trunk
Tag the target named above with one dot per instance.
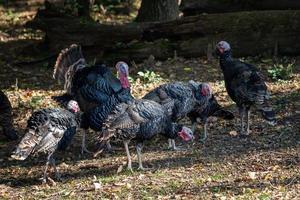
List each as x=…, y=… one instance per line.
x=195, y=7
x=249, y=33
x=158, y=10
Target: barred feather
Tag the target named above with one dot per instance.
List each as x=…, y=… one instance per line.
x=69, y=61
x=178, y=98
x=139, y=119
x=45, y=129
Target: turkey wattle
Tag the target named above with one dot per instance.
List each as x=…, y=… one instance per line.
x=141, y=120
x=48, y=130
x=245, y=86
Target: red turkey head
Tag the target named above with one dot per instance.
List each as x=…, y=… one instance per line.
x=222, y=47
x=205, y=89
x=73, y=106
x=186, y=134
x=123, y=73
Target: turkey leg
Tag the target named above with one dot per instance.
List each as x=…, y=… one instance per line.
x=248, y=121
x=139, y=148
x=83, y=146
x=194, y=126
x=129, y=165
x=52, y=162
x=205, y=132
x=172, y=145
x=45, y=176
x=242, y=112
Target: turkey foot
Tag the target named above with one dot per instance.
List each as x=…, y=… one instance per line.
x=172, y=146
x=49, y=180
x=202, y=140
x=141, y=168
x=129, y=162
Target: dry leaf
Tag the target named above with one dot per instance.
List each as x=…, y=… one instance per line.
x=97, y=186
x=233, y=133
x=252, y=175
x=120, y=169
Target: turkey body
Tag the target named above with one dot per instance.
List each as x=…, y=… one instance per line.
x=246, y=87
x=184, y=97
x=47, y=130
x=95, y=88
x=6, y=120
x=139, y=120
x=98, y=92
x=180, y=99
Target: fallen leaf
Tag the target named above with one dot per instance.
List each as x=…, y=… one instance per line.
x=252, y=175
x=120, y=168
x=233, y=133
x=97, y=186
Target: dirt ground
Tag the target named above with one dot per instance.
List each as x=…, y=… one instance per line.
x=265, y=165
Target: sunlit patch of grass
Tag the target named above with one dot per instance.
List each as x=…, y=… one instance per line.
x=264, y=196
x=198, y=181
x=217, y=177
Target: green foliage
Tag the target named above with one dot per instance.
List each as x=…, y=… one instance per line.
x=149, y=76
x=281, y=71
x=264, y=196
x=35, y=101
x=10, y=15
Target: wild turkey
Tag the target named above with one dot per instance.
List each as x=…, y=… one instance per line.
x=141, y=120
x=245, y=85
x=185, y=97
x=95, y=88
x=201, y=113
x=48, y=130
x=6, y=120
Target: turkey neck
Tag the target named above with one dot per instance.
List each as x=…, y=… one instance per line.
x=226, y=63
x=171, y=129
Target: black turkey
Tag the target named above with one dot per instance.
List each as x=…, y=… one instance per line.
x=245, y=86
x=48, y=130
x=141, y=120
x=6, y=120
x=95, y=88
x=201, y=113
x=184, y=97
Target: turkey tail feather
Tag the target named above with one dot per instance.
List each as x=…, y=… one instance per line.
x=26, y=146
x=69, y=57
